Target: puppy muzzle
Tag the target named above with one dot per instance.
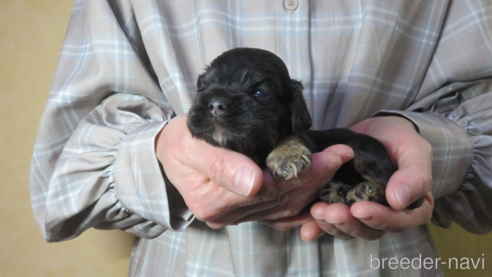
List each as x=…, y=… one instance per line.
x=217, y=106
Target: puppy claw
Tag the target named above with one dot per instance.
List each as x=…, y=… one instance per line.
x=371, y=190
x=334, y=192
x=288, y=159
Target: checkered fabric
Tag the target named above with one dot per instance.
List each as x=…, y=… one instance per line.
x=127, y=67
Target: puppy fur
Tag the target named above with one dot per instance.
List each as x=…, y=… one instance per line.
x=247, y=102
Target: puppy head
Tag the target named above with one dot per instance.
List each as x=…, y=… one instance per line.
x=247, y=102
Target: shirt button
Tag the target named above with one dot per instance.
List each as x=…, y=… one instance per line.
x=291, y=5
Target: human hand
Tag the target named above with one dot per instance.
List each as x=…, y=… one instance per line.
x=411, y=181
x=223, y=187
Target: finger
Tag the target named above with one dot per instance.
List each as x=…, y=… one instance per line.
x=290, y=204
x=283, y=199
x=413, y=179
x=288, y=223
x=325, y=164
x=318, y=211
x=340, y=217
x=385, y=218
x=255, y=208
x=231, y=170
x=311, y=231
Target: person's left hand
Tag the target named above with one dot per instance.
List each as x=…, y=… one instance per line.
x=368, y=220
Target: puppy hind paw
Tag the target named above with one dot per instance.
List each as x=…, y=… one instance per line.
x=288, y=159
x=368, y=191
x=334, y=192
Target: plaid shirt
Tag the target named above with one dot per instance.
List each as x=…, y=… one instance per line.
x=127, y=67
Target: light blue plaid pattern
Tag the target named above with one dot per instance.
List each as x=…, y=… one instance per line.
x=127, y=67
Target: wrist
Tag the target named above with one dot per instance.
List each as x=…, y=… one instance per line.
x=449, y=142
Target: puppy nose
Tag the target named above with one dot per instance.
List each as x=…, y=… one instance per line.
x=216, y=107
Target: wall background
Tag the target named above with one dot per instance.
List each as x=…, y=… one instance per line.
x=31, y=35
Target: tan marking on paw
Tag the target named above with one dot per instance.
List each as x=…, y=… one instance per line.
x=368, y=191
x=289, y=158
x=334, y=192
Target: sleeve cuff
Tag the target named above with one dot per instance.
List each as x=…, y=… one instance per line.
x=141, y=184
x=451, y=147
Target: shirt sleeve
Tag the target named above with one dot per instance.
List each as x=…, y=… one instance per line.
x=94, y=162
x=453, y=111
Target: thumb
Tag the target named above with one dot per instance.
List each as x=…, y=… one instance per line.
x=231, y=170
x=413, y=179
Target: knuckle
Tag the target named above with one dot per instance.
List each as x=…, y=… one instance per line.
x=204, y=213
x=293, y=208
x=426, y=146
x=281, y=227
x=377, y=226
x=216, y=226
x=183, y=146
x=216, y=167
x=381, y=225
x=292, y=211
x=334, y=231
x=328, y=228
x=356, y=233
x=273, y=194
x=340, y=234
x=297, y=209
x=398, y=228
x=426, y=218
x=199, y=215
x=427, y=180
x=282, y=199
x=289, y=213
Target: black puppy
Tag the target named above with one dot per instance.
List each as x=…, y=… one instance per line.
x=247, y=102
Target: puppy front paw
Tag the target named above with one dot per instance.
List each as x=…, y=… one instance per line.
x=289, y=158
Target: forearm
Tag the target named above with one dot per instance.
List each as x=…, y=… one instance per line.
x=108, y=175
x=101, y=108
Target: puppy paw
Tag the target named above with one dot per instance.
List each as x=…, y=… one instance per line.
x=289, y=158
x=334, y=192
x=371, y=190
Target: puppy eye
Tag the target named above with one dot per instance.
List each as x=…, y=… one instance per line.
x=261, y=94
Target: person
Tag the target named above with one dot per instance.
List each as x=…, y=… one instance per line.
x=113, y=150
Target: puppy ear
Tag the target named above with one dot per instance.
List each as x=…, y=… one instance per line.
x=205, y=79
x=201, y=83
x=300, y=117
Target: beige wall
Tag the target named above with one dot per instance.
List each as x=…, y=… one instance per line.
x=31, y=34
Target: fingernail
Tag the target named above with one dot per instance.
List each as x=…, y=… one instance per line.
x=244, y=180
x=362, y=216
x=403, y=195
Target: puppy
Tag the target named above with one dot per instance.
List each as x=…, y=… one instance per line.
x=247, y=102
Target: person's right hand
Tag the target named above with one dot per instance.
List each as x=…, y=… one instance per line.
x=223, y=187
